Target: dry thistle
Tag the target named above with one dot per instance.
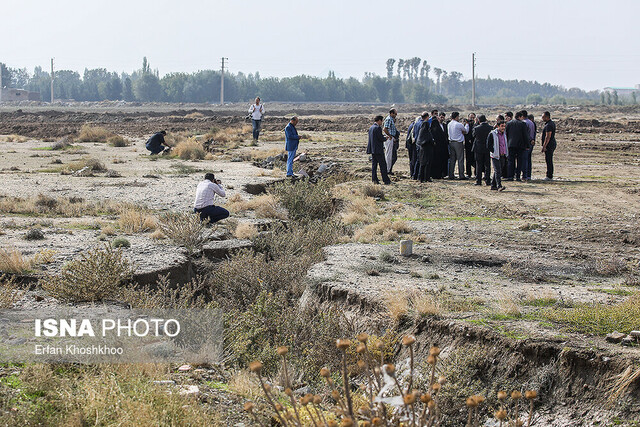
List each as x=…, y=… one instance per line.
x=343, y=344
x=434, y=351
x=408, y=340
x=255, y=366
x=288, y=391
x=324, y=372
x=376, y=421
x=442, y=380
x=390, y=369
x=409, y=399
x=516, y=395
x=332, y=423
x=425, y=398
x=501, y=415
x=361, y=348
x=249, y=406
x=502, y=395
x=282, y=351
x=431, y=360
x=347, y=422
x=530, y=394
x=436, y=387
x=362, y=337
x=471, y=402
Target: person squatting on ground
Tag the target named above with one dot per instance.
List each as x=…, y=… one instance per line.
x=425, y=144
x=457, y=131
x=257, y=111
x=156, y=144
x=481, y=153
x=438, y=128
x=375, y=147
x=389, y=129
x=205, y=196
x=548, y=143
x=499, y=151
x=291, y=143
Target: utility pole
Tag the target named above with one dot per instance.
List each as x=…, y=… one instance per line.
x=222, y=82
x=1, y=82
x=52, y=80
x=473, y=83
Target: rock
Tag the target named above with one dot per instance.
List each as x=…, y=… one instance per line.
x=189, y=390
x=628, y=340
x=635, y=334
x=322, y=168
x=303, y=173
x=221, y=249
x=303, y=157
x=185, y=368
x=615, y=337
x=425, y=259
x=236, y=159
x=164, y=382
x=406, y=247
x=303, y=390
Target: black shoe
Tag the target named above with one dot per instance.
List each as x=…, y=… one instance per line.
x=494, y=188
x=501, y=188
x=518, y=179
x=387, y=183
x=488, y=183
x=463, y=178
x=508, y=179
x=429, y=180
x=478, y=183
x=376, y=182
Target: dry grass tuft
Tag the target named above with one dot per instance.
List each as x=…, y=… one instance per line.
x=383, y=230
x=185, y=229
x=157, y=235
x=373, y=190
x=134, y=220
x=264, y=206
x=194, y=115
x=46, y=205
x=190, y=149
x=397, y=305
x=94, y=134
x=9, y=291
x=360, y=210
x=118, y=141
x=92, y=164
x=245, y=231
x=15, y=138
x=108, y=230
x=13, y=261
x=507, y=305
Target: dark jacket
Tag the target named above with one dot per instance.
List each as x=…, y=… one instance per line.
x=291, y=138
x=517, y=134
x=439, y=135
x=156, y=141
x=424, y=135
x=409, y=141
x=376, y=140
x=480, y=134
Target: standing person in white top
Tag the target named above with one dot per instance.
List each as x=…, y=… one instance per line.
x=257, y=111
x=205, y=196
x=457, y=131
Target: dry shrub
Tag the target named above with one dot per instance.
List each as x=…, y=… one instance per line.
x=96, y=275
x=15, y=138
x=46, y=205
x=92, y=164
x=9, y=291
x=260, y=155
x=305, y=200
x=185, y=229
x=163, y=294
x=133, y=220
x=383, y=230
x=373, y=190
x=194, y=115
x=94, y=134
x=108, y=230
x=61, y=144
x=608, y=267
x=13, y=261
x=174, y=138
x=426, y=304
x=229, y=134
x=118, y=141
x=157, y=235
x=245, y=230
x=396, y=304
x=360, y=210
x=265, y=206
x=507, y=305
x=107, y=394
x=190, y=149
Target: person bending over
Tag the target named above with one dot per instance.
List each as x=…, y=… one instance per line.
x=205, y=196
x=156, y=144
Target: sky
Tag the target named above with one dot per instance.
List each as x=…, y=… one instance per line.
x=572, y=43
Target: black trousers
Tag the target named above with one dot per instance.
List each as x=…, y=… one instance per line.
x=483, y=165
x=413, y=160
x=514, y=163
x=548, y=157
x=378, y=159
x=470, y=158
x=426, y=162
x=394, y=154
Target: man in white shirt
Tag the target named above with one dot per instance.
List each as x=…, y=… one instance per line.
x=257, y=111
x=457, y=131
x=205, y=196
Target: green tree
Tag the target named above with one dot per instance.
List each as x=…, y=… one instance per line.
x=602, y=98
x=608, y=98
x=147, y=88
x=616, y=101
x=634, y=98
x=534, y=98
x=390, y=64
x=127, y=90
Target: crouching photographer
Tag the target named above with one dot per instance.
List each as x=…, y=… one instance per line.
x=205, y=197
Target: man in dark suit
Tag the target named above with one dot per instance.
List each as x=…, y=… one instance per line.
x=480, y=152
x=375, y=147
x=426, y=147
x=438, y=129
x=468, y=145
x=517, y=140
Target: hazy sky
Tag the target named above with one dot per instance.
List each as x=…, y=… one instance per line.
x=587, y=44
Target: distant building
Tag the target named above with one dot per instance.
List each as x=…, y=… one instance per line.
x=623, y=91
x=9, y=94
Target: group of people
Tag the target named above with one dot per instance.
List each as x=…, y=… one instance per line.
x=435, y=146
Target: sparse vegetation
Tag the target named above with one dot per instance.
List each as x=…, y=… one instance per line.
x=13, y=261
x=305, y=200
x=245, y=231
x=9, y=291
x=135, y=220
x=120, y=242
x=189, y=149
x=90, y=133
x=96, y=275
x=185, y=229
x=118, y=141
x=50, y=206
x=264, y=206
x=383, y=230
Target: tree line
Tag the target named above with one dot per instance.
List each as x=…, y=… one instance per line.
x=407, y=80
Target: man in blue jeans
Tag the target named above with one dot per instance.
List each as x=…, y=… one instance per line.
x=205, y=196
x=291, y=143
